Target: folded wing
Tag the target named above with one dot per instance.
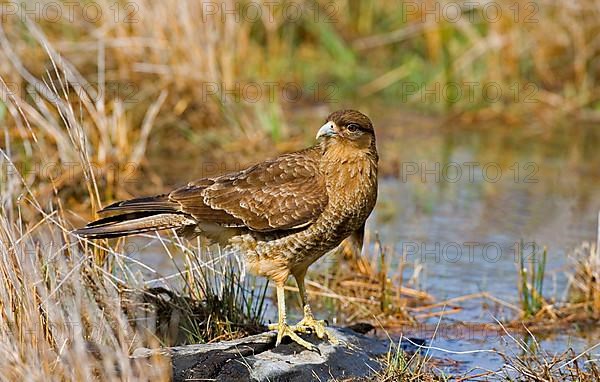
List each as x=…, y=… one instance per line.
x=283, y=193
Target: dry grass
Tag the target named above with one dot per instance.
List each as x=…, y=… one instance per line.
x=72, y=309
x=402, y=366
x=215, y=300
x=510, y=49
x=155, y=71
x=376, y=47
x=61, y=314
x=544, y=367
x=527, y=361
x=66, y=133
x=581, y=305
x=361, y=287
x=584, y=285
x=68, y=315
x=534, y=363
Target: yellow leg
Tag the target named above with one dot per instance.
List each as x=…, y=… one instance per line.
x=283, y=329
x=308, y=322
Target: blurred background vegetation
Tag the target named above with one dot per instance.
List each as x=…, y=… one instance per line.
x=227, y=77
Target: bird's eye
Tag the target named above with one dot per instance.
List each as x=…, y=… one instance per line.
x=353, y=127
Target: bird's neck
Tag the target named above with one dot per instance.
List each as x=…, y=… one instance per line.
x=350, y=172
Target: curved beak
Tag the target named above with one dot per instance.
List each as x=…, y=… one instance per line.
x=327, y=130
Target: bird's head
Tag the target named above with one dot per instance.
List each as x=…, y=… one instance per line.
x=350, y=128
x=349, y=156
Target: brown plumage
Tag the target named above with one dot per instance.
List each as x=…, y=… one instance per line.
x=281, y=215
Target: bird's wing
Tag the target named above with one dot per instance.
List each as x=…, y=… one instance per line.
x=282, y=193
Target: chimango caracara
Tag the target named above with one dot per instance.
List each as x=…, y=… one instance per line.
x=281, y=215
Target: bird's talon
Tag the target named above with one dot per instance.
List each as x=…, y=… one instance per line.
x=309, y=324
x=286, y=330
x=317, y=350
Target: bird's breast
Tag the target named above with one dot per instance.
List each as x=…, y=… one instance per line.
x=352, y=193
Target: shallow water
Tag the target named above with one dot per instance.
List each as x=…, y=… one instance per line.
x=462, y=201
x=459, y=199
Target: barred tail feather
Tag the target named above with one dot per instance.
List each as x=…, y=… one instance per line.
x=133, y=223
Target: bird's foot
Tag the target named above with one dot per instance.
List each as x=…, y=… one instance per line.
x=309, y=324
x=286, y=330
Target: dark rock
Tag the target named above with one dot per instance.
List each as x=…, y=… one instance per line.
x=361, y=327
x=255, y=358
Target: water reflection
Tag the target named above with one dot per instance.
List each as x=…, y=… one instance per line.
x=462, y=199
